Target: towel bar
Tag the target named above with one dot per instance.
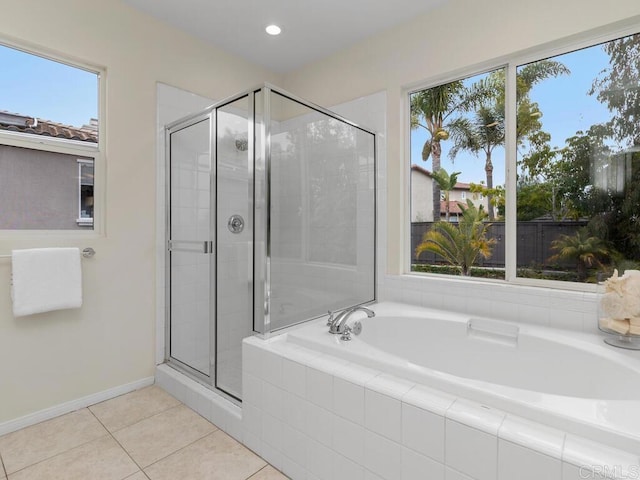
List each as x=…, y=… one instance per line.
x=86, y=253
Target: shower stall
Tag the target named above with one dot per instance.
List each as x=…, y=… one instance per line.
x=271, y=218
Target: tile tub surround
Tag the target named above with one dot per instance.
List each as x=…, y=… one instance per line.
x=564, y=309
x=312, y=415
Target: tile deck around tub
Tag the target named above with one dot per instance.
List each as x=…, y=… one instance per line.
x=143, y=435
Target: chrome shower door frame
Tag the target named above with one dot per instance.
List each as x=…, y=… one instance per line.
x=208, y=246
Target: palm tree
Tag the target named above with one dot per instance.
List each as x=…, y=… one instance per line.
x=528, y=113
x=430, y=109
x=446, y=183
x=462, y=243
x=582, y=248
x=481, y=134
x=485, y=131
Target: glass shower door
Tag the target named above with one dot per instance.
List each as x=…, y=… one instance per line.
x=234, y=231
x=321, y=213
x=190, y=248
x=272, y=222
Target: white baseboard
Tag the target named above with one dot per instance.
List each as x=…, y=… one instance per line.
x=56, y=411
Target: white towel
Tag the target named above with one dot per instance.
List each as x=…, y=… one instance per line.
x=45, y=279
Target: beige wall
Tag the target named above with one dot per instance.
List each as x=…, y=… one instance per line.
x=459, y=34
x=49, y=359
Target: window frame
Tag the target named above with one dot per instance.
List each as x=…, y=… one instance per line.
x=510, y=62
x=94, y=151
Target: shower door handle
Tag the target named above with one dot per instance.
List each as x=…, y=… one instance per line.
x=199, y=246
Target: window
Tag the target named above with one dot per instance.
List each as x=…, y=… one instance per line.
x=573, y=141
x=457, y=145
x=579, y=163
x=85, y=192
x=48, y=143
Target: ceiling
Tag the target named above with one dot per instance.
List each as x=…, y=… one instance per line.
x=311, y=30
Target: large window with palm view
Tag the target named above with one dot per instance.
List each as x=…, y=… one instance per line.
x=573, y=141
x=578, y=187
x=458, y=177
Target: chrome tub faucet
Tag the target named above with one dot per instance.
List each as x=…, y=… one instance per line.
x=338, y=324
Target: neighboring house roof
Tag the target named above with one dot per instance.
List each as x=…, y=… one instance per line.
x=418, y=168
x=462, y=186
x=424, y=171
x=14, y=122
x=454, y=207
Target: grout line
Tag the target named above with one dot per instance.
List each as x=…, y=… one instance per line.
x=140, y=420
x=6, y=475
x=58, y=454
x=107, y=433
x=258, y=471
x=118, y=443
x=180, y=404
x=134, y=474
x=145, y=418
x=266, y=466
x=186, y=446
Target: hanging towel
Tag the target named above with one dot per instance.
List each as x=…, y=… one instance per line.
x=45, y=279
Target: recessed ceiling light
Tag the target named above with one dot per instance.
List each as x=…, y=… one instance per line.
x=273, y=30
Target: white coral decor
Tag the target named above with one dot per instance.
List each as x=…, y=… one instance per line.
x=621, y=299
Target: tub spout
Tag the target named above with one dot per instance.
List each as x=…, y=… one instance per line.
x=340, y=321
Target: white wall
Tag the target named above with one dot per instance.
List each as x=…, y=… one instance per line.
x=50, y=359
x=452, y=38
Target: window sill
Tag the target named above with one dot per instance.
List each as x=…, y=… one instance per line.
x=85, y=222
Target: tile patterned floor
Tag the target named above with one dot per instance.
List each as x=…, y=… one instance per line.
x=144, y=435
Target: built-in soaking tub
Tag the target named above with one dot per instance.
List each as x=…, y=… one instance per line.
x=569, y=382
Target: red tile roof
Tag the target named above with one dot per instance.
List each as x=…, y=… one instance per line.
x=418, y=168
x=454, y=208
x=13, y=122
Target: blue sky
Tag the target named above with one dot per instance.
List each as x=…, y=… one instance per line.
x=566, y=108
x=37, y=87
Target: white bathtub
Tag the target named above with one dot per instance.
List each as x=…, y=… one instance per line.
x=568, y=380
x=428, y=394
